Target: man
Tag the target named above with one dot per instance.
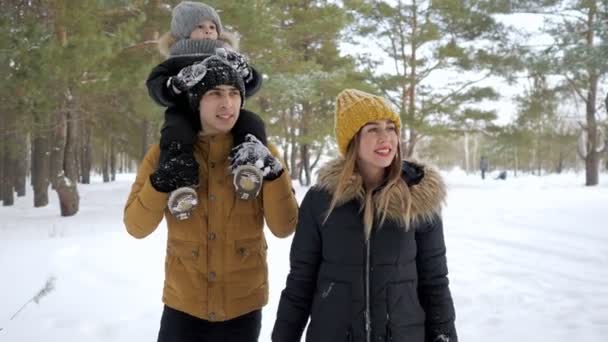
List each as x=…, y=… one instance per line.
x=484, y=166
x=216, y=276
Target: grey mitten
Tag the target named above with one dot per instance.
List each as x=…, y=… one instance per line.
x=188, y=77
x=252, y=152
x=237, y=61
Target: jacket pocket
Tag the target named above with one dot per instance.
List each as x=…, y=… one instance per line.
x=330, y=317
x=247, y=253
x=182, y=265
x=405, y=316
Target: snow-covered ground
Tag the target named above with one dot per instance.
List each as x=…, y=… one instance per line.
x=528, y=261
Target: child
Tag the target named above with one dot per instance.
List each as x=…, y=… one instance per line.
x=196, y=33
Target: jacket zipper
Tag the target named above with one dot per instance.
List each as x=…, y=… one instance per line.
x=368, y=323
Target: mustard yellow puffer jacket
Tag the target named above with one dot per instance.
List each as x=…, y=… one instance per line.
x=215, y=266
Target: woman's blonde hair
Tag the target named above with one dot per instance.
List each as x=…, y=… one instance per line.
x=375, y=205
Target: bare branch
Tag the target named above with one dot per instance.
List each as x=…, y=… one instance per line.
x=575, y=88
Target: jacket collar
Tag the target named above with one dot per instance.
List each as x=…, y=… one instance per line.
x=427, y=189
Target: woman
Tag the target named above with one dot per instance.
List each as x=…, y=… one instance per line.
x=368, y=259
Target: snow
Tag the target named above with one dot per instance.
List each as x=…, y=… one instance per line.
x=528, y=260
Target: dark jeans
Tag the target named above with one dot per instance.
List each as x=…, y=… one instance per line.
x=177, y=326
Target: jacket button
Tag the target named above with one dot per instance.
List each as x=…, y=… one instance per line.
x=212, y=197
x=212, y=164
x=212, y=316
x=211, y=236
x=243, y=251
x=211, y=275
x=195, y=253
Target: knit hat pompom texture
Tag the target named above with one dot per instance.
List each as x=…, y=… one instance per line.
x=354, y=109
x=188, y=14
x=219, y=72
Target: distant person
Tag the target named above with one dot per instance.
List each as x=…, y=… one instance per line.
x=484, y=165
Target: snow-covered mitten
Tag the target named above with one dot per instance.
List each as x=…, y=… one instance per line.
x=178, y=170
x=187, y=77
x=251, y=163
x=237, y=61
x=253, y=152
x=178, y=174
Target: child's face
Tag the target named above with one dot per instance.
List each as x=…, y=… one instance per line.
x=206, y=29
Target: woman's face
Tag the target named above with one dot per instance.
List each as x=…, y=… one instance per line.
x=378, y=141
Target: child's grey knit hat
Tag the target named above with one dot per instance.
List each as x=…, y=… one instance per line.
x=188, y=14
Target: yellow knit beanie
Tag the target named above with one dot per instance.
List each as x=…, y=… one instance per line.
x=355, y=108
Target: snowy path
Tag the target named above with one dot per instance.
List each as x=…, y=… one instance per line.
x=528, y=261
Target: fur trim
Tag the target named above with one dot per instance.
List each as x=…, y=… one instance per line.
x=427, y=196
x=231, y=39
x=166, y=41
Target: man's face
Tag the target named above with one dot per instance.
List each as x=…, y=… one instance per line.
x=219, y=109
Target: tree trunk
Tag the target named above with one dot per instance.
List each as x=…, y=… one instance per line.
x=21, y=159
x=286, y=143
x=291, y=142
x=112, y=159
x=105, y=163
x=516, y=160
x=86, y=153
x=67, y=176
x=9, y=160
x=539, y=152
x=318, y=156
x=40, y=168
x=475, y=157
x=305, y=162
x=560, y=162
x=8, y=181
x=70, y=157
x=593, y=158
x=305, y=148
x=58, y=146
x=466, y=153
x=68, y=196
x=411, y=111
x=3, y=133
x=293, y=158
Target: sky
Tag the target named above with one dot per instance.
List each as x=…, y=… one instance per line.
x=505, y=106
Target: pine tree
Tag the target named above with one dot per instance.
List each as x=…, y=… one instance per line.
x=441, y=52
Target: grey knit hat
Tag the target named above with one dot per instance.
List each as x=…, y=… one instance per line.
x=188, y=14
x=219, y=72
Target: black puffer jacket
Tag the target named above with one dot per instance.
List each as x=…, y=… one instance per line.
x=409, y=299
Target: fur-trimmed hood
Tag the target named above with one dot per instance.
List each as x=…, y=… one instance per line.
x=427, y=189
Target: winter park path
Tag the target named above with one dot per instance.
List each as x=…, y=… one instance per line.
x=528, y=261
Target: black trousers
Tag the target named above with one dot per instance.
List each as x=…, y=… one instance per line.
x=177, y=326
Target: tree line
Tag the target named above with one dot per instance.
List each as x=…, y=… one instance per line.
x=74, y=102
